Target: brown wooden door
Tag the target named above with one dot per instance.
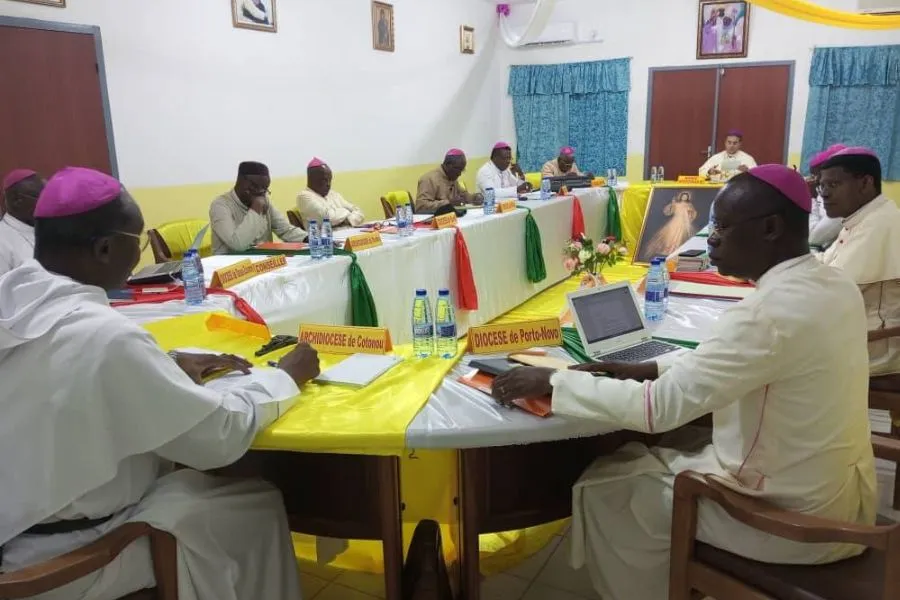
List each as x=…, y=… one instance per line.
x=755, y=101
x=681, y=121
x=51, y=107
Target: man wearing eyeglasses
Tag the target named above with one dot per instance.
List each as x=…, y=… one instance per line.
x=20, y=190
x=244, y=217
x=868, y=246
x=441, y=186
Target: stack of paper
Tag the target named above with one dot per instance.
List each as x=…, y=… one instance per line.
x=359, y=370
x=692, y=264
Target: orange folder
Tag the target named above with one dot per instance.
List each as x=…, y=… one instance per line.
x=282, y=246
x=484, y=382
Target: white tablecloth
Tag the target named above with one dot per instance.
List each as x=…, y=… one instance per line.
x=319, y=292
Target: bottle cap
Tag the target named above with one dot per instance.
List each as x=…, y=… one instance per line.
x=486, y=189
x=443, y=292
x=421, y=293
x=326, y=220
x=655, y=261
x=311, y=221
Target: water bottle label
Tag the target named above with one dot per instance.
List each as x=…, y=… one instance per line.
x=419, y=310
x=448, y=330
x=423, y=330
x=443, y=312
x=654, y=296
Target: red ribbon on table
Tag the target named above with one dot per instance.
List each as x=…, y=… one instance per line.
x=467, y=294
x=577, y=219
x=709, y=279
x=175, y=292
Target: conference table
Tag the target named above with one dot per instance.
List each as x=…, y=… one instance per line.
x=342, y=474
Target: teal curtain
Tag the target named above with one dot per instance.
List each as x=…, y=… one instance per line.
x=584, y=105
x=854, y=99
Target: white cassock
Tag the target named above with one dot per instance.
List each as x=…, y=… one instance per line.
x=505, y=183
x=867, y=249
x=16, y=243
x=785, y=377
x=333, y=207
x=94, y=416
x=823, y=230
x=727, y=163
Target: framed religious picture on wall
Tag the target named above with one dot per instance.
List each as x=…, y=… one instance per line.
x=723, y=29
x=467, y=39
x=382, y=26
x=674, y=215
x=56, y=3
x=254, y=14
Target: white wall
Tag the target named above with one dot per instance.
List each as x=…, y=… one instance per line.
x=660, y=33
x=191, y=96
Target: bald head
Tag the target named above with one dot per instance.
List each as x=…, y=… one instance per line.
x=755, y=227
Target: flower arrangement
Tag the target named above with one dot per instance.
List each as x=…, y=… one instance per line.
x=583, y=257
x=503, y=10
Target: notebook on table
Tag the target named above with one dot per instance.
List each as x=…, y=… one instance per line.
x=611, y=325
x=484, y=382
x=359, y=370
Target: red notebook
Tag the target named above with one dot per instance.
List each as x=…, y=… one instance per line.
x=483, y=382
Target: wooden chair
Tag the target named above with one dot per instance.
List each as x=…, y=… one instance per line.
x=390, y=200
x=295, y=218
x=884, y=394
x=59, y=571
x=698, y=567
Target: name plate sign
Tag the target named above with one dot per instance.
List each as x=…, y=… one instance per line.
x=691, y=179
x=445, y=221
x=505, y=206
x=332, y=339
x=243, y=270
x=363, y=241
x=509, y=337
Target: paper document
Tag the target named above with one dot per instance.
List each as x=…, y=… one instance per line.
x=880, y=421
x=688, y=288
x=359, y=370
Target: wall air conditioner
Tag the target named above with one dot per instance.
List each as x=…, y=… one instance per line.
x=554, y=34
x=879, y=7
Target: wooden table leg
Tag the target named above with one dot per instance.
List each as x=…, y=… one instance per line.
x=470, y=462
x=392, y=529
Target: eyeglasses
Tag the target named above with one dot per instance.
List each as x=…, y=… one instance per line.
x=828, y=185
x=143, y=238
x=719, y=229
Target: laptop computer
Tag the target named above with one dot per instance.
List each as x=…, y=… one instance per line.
x=612, y=327
x=167, y=271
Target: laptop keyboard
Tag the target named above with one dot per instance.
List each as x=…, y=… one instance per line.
x=640, y=353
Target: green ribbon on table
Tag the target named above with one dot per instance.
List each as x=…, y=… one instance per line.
x=613, y=218
x=534, y=251
x=572, y=344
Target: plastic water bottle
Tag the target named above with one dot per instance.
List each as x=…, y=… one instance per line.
x=614, y=178
x=661, y=174
x=445, y=325
x=712, y=218
x=327, y=242
x=194, y=290
x=653, y=175
x=654, y=297
x=490, y=201
x=195, y=255
x=402, y=218
x=666, y=281
x=314, y=239
x=422, y=326
x=410, y=221
x=546, y=188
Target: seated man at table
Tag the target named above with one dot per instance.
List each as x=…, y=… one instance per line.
x=96, y=415
x=20, y=191
x=497, y=174
x=730, y=161
x=823, y=230
x=868, y=246
x=318, y=201
x=441, y=187
x=244, y=217
x=563, y=165
x=785, y=377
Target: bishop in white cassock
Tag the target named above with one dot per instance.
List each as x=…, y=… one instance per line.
x=867, y=248
x=318, y=201
x=823, y=230
x=785, y=377
x=730, y=161
x=95, y=415
x=496, y=174
x=20, y=191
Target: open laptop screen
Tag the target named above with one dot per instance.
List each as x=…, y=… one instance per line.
x=607, y=314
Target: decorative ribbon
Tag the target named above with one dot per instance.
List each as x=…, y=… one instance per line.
x=613, y=219
x=467, y=294
x=534, y=251
x=578, y=228
x=807, y=11
x=177, y=293
x=362, y=305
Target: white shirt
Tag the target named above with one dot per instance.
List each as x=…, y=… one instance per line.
x=85, y=433
x=333, y=206
x=739, y=158
x=868, y=250
x=505, y=184
x=785, y=376
x=16, y=243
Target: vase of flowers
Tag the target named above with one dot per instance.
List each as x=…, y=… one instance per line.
x=584, y=257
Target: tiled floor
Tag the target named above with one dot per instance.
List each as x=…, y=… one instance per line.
x=544, y=576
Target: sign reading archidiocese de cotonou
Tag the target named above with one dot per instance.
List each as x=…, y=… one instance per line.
x=508, y=337
x=335, y=339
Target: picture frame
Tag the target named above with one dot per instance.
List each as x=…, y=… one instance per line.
x=723, y=29
x=466, y=39
x=674, y=215
x=258, y=15
x=382, y=26
x=56, y=3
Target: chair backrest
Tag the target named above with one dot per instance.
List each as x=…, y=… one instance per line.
x=295, y=218
x=171, y=240
x=534, y=179
x=390, y=201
